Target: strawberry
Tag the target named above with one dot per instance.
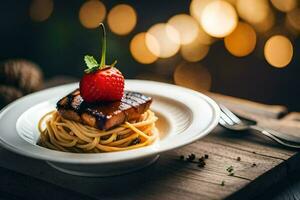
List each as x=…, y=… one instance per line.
x=101, y=82
x=102, y=85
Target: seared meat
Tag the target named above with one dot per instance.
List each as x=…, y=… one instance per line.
x=103, y=115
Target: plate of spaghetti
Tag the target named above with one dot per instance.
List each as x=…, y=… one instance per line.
x=79, y=127
x=105, y=125
x=178, y=115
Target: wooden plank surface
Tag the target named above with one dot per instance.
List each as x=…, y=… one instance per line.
x=171, y=178
x=31, y=188
x=262, y=163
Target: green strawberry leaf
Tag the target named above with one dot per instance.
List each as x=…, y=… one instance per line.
x=90, y=61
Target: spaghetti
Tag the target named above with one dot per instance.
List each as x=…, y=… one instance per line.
x=69, y=136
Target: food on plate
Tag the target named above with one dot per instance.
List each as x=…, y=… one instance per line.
x=103, y=115
x=99, y=116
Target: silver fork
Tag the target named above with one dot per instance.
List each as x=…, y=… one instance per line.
x=232, y=122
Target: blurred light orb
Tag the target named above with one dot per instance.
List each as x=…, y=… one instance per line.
x=192, y=75
x=140, y=51
x=284, y=5
x=196, y=8
x=122, y=19
x=278, y=51
x=203, y=37
x=163, y=40
x=40, y=10
x=186, y=26
x=293, y=19
x=241, y=41
x=266, y=24
x=232, y=2
x=253, y=11
x=92, y=13
x=194, y=51
x=219, y=18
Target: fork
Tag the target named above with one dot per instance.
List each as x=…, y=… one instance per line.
x=232, y=122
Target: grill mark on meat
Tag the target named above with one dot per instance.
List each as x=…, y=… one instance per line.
x=103, y=115
x=136, y=99
x=139, y=95
x=130, y=102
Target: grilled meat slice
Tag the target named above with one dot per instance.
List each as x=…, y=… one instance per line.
x=103, y=115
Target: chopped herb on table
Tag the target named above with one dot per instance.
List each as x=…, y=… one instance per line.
x=230, y=169
x=191, y=157
x=222, y=183
x=201, y=164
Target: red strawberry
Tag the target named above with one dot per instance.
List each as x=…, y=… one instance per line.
x=101, y=82
x=102, y=85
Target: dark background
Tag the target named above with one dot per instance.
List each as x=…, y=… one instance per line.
x=59, y=44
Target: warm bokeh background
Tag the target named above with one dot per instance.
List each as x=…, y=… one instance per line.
x=57, y=34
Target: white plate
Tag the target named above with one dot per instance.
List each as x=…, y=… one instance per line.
x=184, y=117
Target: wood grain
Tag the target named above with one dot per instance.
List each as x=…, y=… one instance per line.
x=172, y=178
x=293, y=116
x=20, y=186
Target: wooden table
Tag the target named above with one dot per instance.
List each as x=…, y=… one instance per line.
x=257, y=163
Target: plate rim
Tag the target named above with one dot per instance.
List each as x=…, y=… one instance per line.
x=153, y=151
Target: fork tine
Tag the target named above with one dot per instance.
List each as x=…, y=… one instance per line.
x=232, y=116
x=226, y=119
x=222, y=122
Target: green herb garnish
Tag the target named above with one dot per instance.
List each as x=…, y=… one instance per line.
x=91, y=63
x=222, y=183
x=230, y=169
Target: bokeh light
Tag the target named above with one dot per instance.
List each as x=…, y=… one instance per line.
x=219, y=18
x=163, y=40
x=186, y=26
x=204, y=38
x=40, y=10
x=232, y=2
x=196, y=8
x=194, y=51
x=266, y=24
x=122, y=19
x=140, y=51
x=241, y=41
x=253, y=11
x=278, y=51
x=92, y=13
x=284, y=5
x=192, y=75
x=293, y=19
